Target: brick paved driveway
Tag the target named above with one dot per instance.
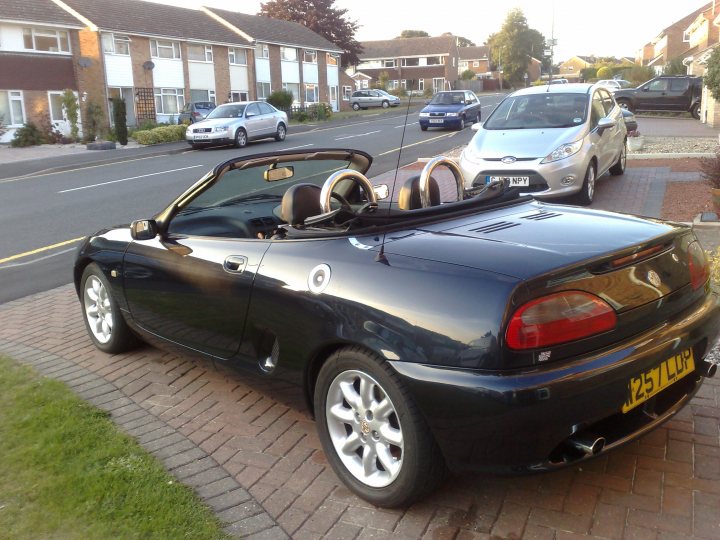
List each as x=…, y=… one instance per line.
x=257, y=461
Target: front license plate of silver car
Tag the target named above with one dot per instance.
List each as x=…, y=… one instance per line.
x=513, y=181
x=200, y=137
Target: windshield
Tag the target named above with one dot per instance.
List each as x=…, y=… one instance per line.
x=539, y=111
x=448, y=98
x=624, y=84
x=230, y=110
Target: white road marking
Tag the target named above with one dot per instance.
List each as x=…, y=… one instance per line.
x=415, y=144
x=358, y=135
x=408, y=124
x=130, y=178
x=13, y=265
x=296, y=147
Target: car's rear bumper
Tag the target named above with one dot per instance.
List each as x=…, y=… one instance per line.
x=523, y=420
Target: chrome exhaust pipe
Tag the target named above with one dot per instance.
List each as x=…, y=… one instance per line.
x=708, y=369
x=588, y=443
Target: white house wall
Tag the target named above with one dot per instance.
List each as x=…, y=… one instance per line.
x=290, y=72
x=118, y=70
x=168, y=73
x=333, y=76
x=202, y=76
x=310, y=74
x=239, y=80
x=11, y=38
x=262, y=69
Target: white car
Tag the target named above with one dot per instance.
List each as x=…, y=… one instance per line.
x=549, y=141
x=614, y=84
x=237, y=123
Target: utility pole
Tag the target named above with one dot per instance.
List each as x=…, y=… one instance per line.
x=553, y=42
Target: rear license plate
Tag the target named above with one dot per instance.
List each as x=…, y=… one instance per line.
x=436, y=120
x=198, y=137
x=514, y=181
x=655, y=380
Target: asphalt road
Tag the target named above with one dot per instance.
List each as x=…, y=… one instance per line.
x=44, y=215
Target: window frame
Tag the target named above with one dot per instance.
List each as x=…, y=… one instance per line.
x=266, y=94
x=404, y=62
x=46, y=33
x=113, y=40
x=284, y=58
x=313, y=56
x=347, y=92
x=233, y=53
x=155, y=47
x=389, y=63
x=264, y=51
x=178, y=93
x=19, y=97
x=315, y=90
x=331, y=59
x=207, y=53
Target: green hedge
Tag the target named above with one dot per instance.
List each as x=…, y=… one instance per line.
x=162, y=134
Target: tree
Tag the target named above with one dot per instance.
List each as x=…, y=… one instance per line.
x=465, y=42
x=604, y=72
x=675, y=67
x=468, y=75
x=512, y=47
x=319, y=16
x=413, y=33
x=383, y=80
x=712, y=75
x=120, y=120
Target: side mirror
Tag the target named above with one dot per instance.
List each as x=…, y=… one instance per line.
x=381, y=191
x=477, y=126
x=605, y=123
x=249, y=115
x=144, y=229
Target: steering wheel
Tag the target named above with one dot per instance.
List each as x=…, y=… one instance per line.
x=326, y=194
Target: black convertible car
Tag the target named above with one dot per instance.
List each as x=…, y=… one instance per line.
x=431, y=328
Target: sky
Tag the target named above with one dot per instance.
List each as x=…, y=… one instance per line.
x=616, y=28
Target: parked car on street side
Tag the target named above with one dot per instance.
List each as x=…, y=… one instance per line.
x=614, y=84
x=373, y=97
x=551, y=141
x=630, y=120
x=195, y=111
x=451, y=109
x=492, y=332
x=664, y=93
x=238, y=123
x=559, y=81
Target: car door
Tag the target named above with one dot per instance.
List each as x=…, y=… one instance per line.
x=608, y=141
x=253, y=120
x=678, y=95
x=472, y=105
x=374, y=98
x=193, y=290
x=651, y=95
x=267, y=114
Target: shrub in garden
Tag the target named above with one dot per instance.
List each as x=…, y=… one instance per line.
x=281, y=99
x=161, y=134
x=28, y=135
x=93, y=121
x=71, y=107
x=120, y=120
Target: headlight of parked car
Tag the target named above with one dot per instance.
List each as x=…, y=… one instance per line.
x=563, y=151
x=220, y=128
x=451, y=114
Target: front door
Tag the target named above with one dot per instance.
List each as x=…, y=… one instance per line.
x=334, y=98
x=193, y=290
x=58, y=114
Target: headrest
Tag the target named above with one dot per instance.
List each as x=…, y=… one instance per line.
x=299, y=203
x=409, y=197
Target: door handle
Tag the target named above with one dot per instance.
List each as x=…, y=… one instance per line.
x=235, y=264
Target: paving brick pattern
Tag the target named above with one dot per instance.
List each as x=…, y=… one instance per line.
x=249, y=448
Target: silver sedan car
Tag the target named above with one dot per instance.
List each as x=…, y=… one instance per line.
x=549, y=141
x=238, y=123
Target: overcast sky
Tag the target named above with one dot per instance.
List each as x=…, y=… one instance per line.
x=582, y=27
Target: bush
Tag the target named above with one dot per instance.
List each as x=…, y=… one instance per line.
x=161, y=134
x=640, y=74
x=281, y=99
x=712, y=75
x=300, y=116
x=319, y=111
x=714, y=259
x=28, y=135
x=467, y=75
x=710, y=169
x=120, y=121
x=93, y=124
x=604, y=73
x=70, y=104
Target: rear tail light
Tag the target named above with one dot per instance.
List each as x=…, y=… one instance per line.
x=559, y=318
x=698, y=264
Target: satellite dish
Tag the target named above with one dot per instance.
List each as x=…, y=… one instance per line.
x=84, y=62
x=149, y=65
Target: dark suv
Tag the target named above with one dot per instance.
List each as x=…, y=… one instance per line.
x=664, y=93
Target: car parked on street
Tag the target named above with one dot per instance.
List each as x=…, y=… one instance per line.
x=664, y=93
x=238, y=123
x=373, y=97
x=614, y=84
x=195, y=111
x=551, y=141
x=451, y=109
x=490, y=332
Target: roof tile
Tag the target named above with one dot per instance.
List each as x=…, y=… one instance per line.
x=40, y=11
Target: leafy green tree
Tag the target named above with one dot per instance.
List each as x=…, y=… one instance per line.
x=465, y=42
x=512, y=46
x=675, y=67
x=319, y=16
x=70, y=104
x=639, y=74
x=383, y=80
x=282, y=99
x=604, y=73
x=712, y=75
x=413, y=33
x=468, y=75
x=588, y=73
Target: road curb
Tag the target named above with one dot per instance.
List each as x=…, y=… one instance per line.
x=669, y=156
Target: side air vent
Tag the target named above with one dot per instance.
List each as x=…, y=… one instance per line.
x=540, y=216
x=495, y=227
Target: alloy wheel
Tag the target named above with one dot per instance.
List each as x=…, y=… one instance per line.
x=98, y=309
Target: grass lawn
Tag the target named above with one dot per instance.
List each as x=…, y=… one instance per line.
x=67, y=472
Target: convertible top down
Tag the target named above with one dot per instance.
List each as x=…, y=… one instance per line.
x=431, y=327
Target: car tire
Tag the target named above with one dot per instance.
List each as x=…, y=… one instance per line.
x=281, y=132
x=619, y=167
x=384, y=417
x=385, y=104
x=625, y=104
x=103, y=320
x=695, y=111
x=478, y=119
x=240, y=138
x=587, y=192
x=355, y=107
x=462, y=124
x=195, y=146
x=424, y=128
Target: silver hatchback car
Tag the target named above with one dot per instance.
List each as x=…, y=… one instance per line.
x=549, y=141
x=238, y=123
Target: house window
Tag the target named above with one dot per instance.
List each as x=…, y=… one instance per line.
x=56, y=106
x=262, y=51
x=310, y=57
x=200, y=53
x=331, y=60
x=37, y=39
x=169, y=100
x=403, y=84
x=116, y=44
x=476, y=63
x=434, y=60
x=288, y=54
x=686, y=36
x=263, y=90
x=294, y=89
x=164, y=49
x=311, y=93
x=438, y=84
x=365, y=83
x=409, y=62
x=389, y=63
x=421, y=85
x=237, y=95
x=12, y=110
x=202, y=95
x=346, y=93
x=463, y=65
x=393, y=85
x=237, y=57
